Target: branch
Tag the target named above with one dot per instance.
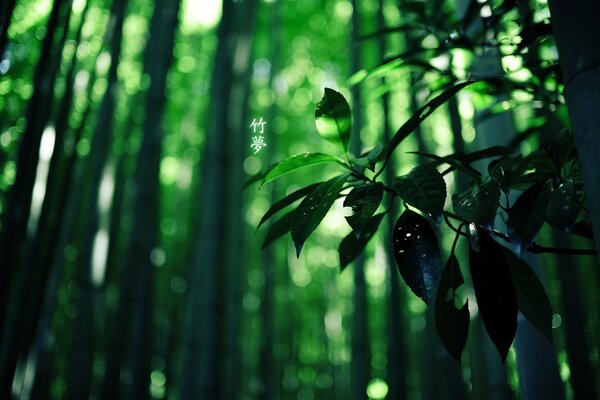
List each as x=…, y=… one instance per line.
x=534, y=247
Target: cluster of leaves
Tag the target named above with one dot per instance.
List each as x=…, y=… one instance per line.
x=550, y=182
x=509, y=28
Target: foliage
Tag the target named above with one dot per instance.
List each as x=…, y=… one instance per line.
x=548, y=179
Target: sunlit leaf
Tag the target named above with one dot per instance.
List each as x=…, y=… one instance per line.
x=527, y=215
x=494, y=289
x=364, y=201
x=532, y=299
x=313, y=209
x=295, y=162
x=417, y=254
x=286, y=201
x=351, y=246
x=423, y=188
x=452, y=323
x=480, y=202
x=333, y=118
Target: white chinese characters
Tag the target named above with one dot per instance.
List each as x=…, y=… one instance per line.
x=258, y=142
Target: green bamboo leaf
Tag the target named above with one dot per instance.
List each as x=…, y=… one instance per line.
x=531, y=296
x=417, y=254
x=286, y=201
x=480, y=202
x=494, y=289
x=351, y=246
x=364, y=201
x=298, y=161
x=452, y=323
x=333, y=118
x=421, y=114
x=313, y=208
x=423, y=188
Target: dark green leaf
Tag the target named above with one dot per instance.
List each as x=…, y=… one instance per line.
x=452, y=323
x=521, y=173
x=364, y=201
x=298, y=161
x=313, y=208
x=286, y=201
x=351, y=246
x=494, y=289
x=423, y=188
x=480, y=202
x=333, y=118
x=563, y=206
x=527, y=215
x=417, y=254
x=278, y=228
x=531, y=295
x=421, y=114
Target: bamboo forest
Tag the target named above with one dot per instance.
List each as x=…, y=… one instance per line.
x=299, y=199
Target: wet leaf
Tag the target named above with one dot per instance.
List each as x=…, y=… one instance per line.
x=480, y=202
x=417, y=254
x=563, y=206
x=423, y=188
x=527, y=215
x=333, y=118
x=351, y=246
x=313, y=209
x=287, y=200
x=452, y=323
x=494, y=289
x=370, y=159
x=364, y=201
x=532, y=299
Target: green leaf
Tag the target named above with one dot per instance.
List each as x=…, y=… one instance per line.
x=480, y=202
x=452, y=323
x=494, y=289
x=351, y=246
x=286, y=201
x=278, y=228
x=364, y=201
x=521, y=173
x=417, y=254
x=527, y=215
x=531, y=295
x=333, y=118
x=563, y=206
x=298, y=161
x=423, y=188
x=313, y=209
x=420, y=116
x=370, y=159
